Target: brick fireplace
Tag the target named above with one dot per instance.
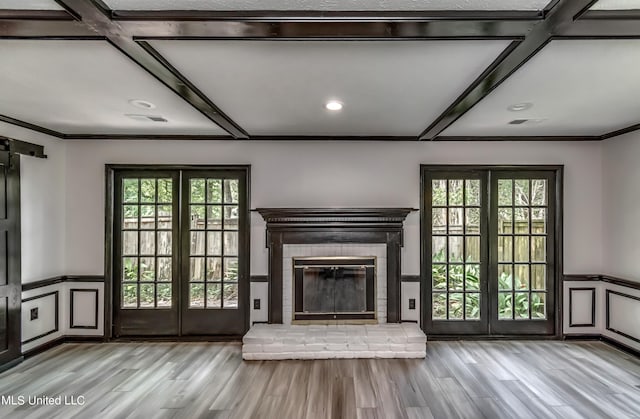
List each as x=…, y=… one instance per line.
x=375, y=233
x=356, y=318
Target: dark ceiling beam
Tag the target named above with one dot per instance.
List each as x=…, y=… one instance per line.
x=560, y=15
x=46, y=28
x=35, y=14
x=95, y=17
x=132, y=137
x=352, y=138
x=611, y=14
x=32, y=127
x=330, y=29
x=524, y=138
x=602, y=28
x=222, y=137
x=310, y=15
x=622, y=131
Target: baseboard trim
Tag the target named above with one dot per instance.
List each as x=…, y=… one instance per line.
x=435, y=338
x=11, y=364
x=621, y=346
x=59, y=341
x=618, y=345
x=207, y=338
x=586, y=336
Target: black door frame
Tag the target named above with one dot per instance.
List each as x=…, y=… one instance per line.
x=425, y=217
x=12, y=251
x=196, y=321
x=148, y=322
x=243, y=267
x=462, y=326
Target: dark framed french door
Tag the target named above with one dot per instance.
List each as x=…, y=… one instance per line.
x=457, y=214
x=523, y=251
x=10, y=282
x=216, y=286
x=180, y=250
x=490, y=250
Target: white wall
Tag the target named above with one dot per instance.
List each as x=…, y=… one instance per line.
x=324, y=174
x=621, y=200
x=42, y=197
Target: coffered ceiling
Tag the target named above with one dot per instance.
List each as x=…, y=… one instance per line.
x=80, y=87
x=403, y=70
x=388, y=88
x=573, y=87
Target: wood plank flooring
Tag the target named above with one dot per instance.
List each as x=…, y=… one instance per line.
x=515, y=379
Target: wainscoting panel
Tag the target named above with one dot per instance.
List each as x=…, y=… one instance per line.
x=622, y=321
x=40, y=316
x=582, y=303
x=600, y=305
x=84, y=309
x=42, y=313
x=581, y=307
x=59, y=307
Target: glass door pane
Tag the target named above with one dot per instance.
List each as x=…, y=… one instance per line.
x=524, y=278
x=214, y=246
x=213, y=250
x=146, y=236
x=145, y=252
x=456, y=266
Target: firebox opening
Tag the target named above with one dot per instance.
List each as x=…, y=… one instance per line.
x=334, y=289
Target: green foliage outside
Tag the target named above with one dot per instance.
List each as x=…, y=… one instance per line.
x=147, y=273
x=141, y=197
x=471, y=274
x=460, y=193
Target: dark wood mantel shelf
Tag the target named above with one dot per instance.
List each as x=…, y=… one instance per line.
x=335, y=216
x=334, y=225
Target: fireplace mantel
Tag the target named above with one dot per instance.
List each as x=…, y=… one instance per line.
x=332, y=217
x=334, y=225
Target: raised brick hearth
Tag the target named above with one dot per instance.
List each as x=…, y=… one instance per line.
x=277, y=341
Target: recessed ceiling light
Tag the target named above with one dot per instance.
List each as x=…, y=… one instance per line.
x=142, y=104
x=333, y=105
x=520, y=107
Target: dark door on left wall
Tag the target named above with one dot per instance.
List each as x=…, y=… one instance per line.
x=180, y=246
x=10, y=288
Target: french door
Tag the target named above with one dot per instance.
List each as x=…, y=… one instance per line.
x=180, y=248
x=489, y=250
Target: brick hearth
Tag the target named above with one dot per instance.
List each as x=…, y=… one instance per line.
x=277, y=341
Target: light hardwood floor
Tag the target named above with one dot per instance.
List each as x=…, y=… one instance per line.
x=515, y=379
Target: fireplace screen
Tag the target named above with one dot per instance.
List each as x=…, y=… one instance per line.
x=334, y=289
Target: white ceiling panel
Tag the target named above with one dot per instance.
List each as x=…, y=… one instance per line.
x=30, y=5
x=616, y=5
x=80, y=87
x=338, y=5
x=280, y=87
x=576, y=87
